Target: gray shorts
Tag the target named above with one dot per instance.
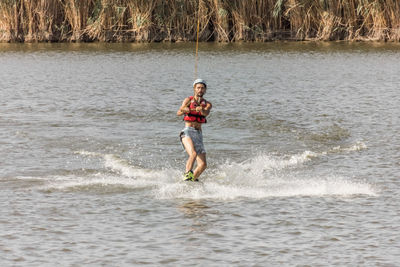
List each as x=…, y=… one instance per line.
x=197, y=138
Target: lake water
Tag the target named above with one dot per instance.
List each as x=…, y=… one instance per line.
x=302, y=144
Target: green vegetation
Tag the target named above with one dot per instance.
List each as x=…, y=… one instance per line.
x=176, y=20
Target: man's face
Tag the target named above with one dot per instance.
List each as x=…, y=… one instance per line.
x=199, y=89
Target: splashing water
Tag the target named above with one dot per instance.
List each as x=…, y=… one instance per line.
x=259, y=177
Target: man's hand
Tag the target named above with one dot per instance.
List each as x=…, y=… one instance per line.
x=199, y=109
x=185, y=110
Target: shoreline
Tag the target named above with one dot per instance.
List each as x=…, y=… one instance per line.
x=364, y=40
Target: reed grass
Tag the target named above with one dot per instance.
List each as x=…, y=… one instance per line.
x=176, y=20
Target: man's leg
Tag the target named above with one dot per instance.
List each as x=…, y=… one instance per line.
x=201, y=165
x=189, y=147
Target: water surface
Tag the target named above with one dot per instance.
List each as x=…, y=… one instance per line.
x=302, y=148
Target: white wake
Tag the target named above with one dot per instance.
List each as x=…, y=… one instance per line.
x=262, y=176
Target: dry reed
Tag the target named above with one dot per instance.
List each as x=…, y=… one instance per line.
x=176, y=20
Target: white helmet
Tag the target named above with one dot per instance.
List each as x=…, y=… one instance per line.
x=200, y=81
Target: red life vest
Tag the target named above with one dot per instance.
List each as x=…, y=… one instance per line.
x=193, y=115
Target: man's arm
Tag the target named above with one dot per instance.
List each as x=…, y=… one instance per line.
x=184, y=107
x=206, y=110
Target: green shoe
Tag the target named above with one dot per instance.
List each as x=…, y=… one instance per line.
x=188, y=176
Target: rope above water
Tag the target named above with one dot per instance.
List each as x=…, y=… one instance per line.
x=197, y=42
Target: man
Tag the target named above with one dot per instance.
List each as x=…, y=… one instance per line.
x=195, y=110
